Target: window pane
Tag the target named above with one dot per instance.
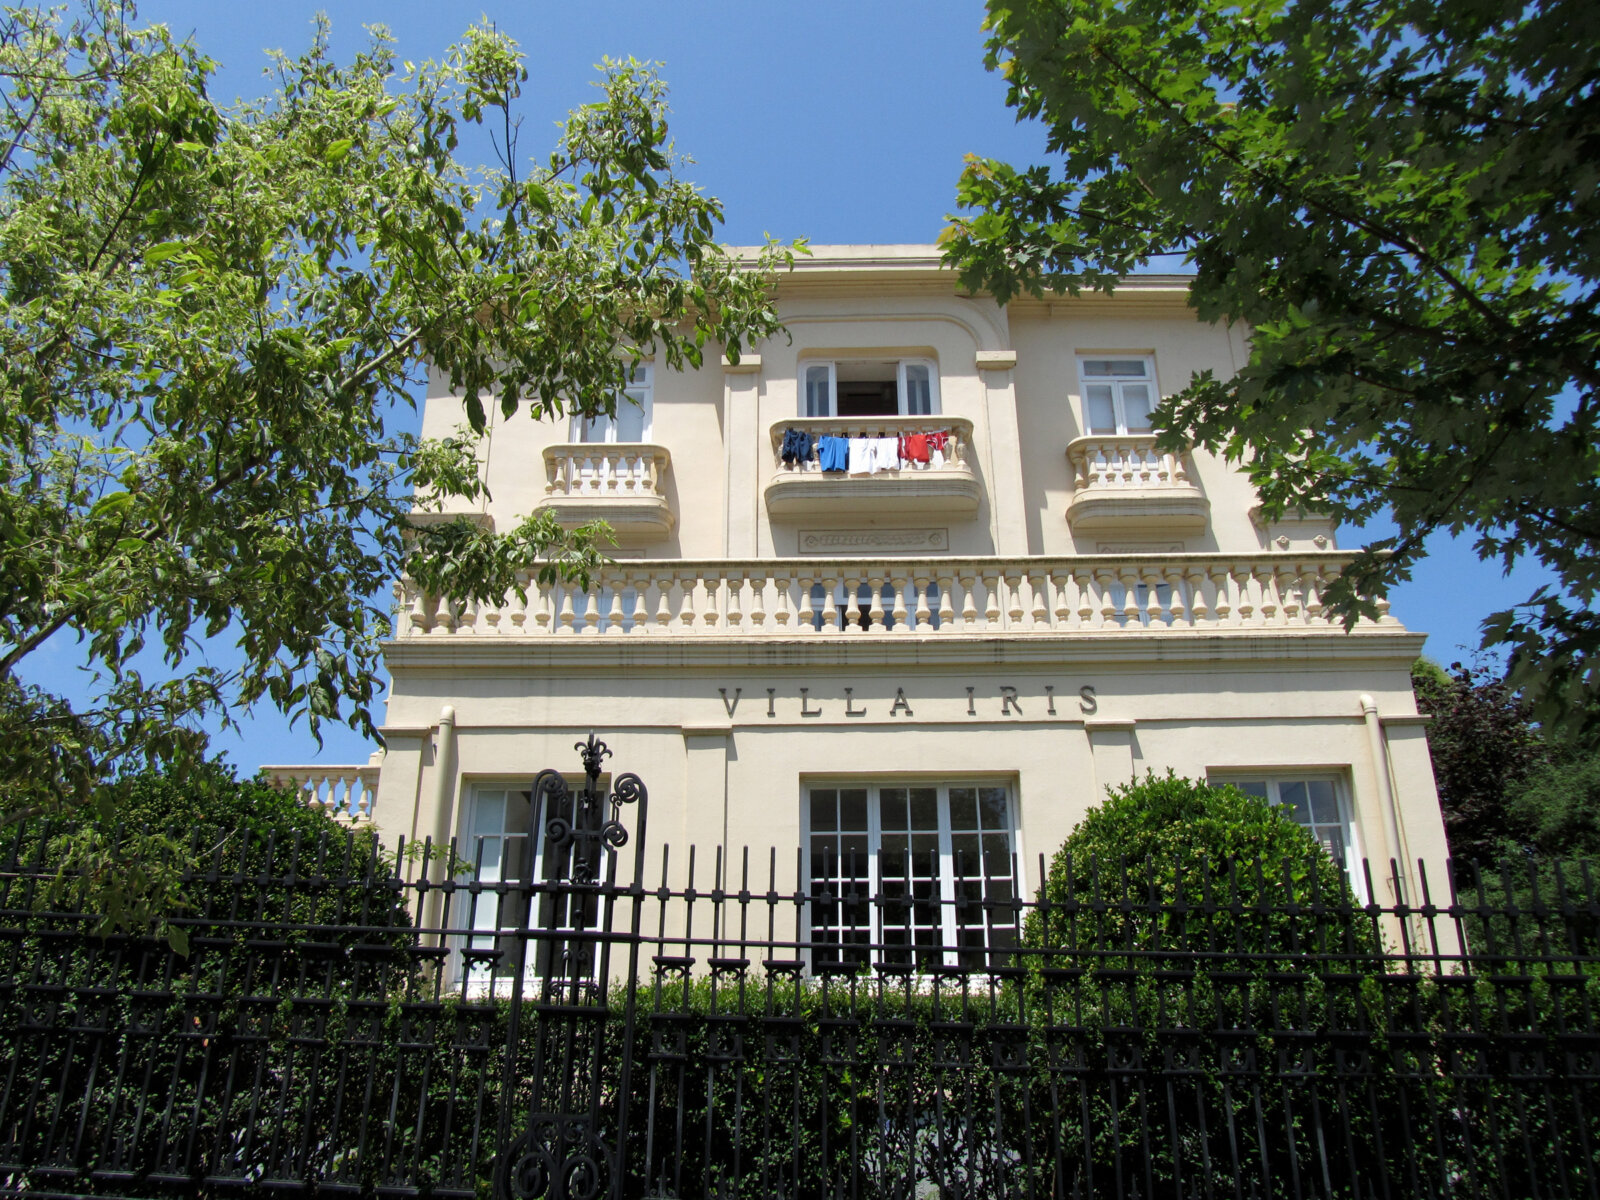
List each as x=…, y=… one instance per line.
x=1101, y=367
x=1293, y=796
x=1324, y=806
x=1136, y=406
x=853, y=809
x=824, y=809
x=963, y=808
x=893, y=810
x=995, y=810
x=630, y=420
x=595, y=429
x=1101, y=412
x=966, y=856
x=1253, y=787
x=924, y=808
x=817, y=398
x=919, y=390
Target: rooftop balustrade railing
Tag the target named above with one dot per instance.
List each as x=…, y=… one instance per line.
x=1207, y=593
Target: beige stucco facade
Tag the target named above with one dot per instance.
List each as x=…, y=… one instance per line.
x=1051, y=609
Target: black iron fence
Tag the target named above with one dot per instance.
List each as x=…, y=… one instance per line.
x=349, y=1018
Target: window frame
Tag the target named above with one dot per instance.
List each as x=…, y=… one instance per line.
x=951, y=944
x=644, y=384
x=1275, y=777
x=1119, y=411
x=902, y=389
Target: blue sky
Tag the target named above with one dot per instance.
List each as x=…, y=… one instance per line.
x=838, y=120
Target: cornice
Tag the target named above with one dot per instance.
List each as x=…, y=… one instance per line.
x=1268, y=649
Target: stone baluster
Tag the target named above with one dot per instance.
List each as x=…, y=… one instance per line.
x=947, y=602
x=566, y=620
x=1271, y=602
x=1313, y=594
x=1154, y=614
x=420, y=619
x=991, y=599
x=1178, y=605
x=687, y=583
x=809, y=614
x=900, y=613
x=614, y=615
x=1105, y=603
x=876, y=616
x=830, y=611
x=1195, y=579
x=444, y=621
x=664, y=602
x=758, y=602
x=711, y=612
x=591, y=609
x=1244, y=579
x=1012, y=581
x=735, y=620
x=923, y=613
x=852, y=604
x=544, y=610
x=1062, y=585
x=1289, y=594
x=969, y=606
x=1039, y=591
x=785, y=611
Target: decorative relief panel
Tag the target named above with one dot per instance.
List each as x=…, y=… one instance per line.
x=874, y=541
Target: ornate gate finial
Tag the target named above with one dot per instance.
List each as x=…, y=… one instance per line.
x=594, y=752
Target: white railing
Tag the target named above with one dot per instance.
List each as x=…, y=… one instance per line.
x=1207, y=593
x=953, y=456
x=345, y=792
x=1130, y=461
x=590, y=470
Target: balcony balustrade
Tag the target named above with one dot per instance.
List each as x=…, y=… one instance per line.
x=801, y=598
x=945, y=485
x=619, y=483
x=345, y=792
x=1125, y=485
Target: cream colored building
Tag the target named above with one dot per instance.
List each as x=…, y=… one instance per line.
x=910, y=667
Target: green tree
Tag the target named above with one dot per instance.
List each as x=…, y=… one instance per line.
x=209, y=316
x=1484, y=747
x=1397, y=198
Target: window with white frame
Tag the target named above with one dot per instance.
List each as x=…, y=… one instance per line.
x=907, y=387
x=1317, y=804
x=917, y=874
x=494, y=848
x=1118, y=394
x=632, y=420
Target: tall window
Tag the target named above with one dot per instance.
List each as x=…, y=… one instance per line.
x=494, y=848
x=1317, y=806
x=919, y=875
x=632, y=422
x=869, y=388
x=1118, y=394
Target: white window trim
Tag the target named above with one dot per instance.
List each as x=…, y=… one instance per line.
x=1354, y=853
x=935, y=402
x=644, y=384
x=1084, y=381
x=949, y=932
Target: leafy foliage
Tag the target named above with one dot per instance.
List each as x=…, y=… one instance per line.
x=1398, y=198
x=1484, y=747
x=209, y=317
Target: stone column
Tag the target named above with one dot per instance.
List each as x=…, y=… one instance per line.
x=745, y=444
x=1004, y=458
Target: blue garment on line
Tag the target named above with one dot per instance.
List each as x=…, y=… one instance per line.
x=796, y=447
x=833, y=453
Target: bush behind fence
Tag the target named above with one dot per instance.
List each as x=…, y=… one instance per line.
x=342, y=1024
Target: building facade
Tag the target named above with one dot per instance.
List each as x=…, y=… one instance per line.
x=898, y=598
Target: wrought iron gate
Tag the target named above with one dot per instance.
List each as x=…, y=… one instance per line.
x=563, y=1122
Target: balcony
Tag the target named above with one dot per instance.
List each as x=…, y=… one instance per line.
x=1125, y=485
x=945, y=486
x=1096, y=595
x=343, y=792
x=619, y=484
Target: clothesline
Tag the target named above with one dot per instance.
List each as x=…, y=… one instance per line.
x=864, y=455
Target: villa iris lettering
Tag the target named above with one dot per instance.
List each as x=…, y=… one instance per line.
x=1032, y=702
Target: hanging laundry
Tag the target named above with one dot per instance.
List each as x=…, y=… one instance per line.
x=833, y=453
x=885, y=454
x=860, y=456
x=940, y=447
x=796, y=447
x=914, y=448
